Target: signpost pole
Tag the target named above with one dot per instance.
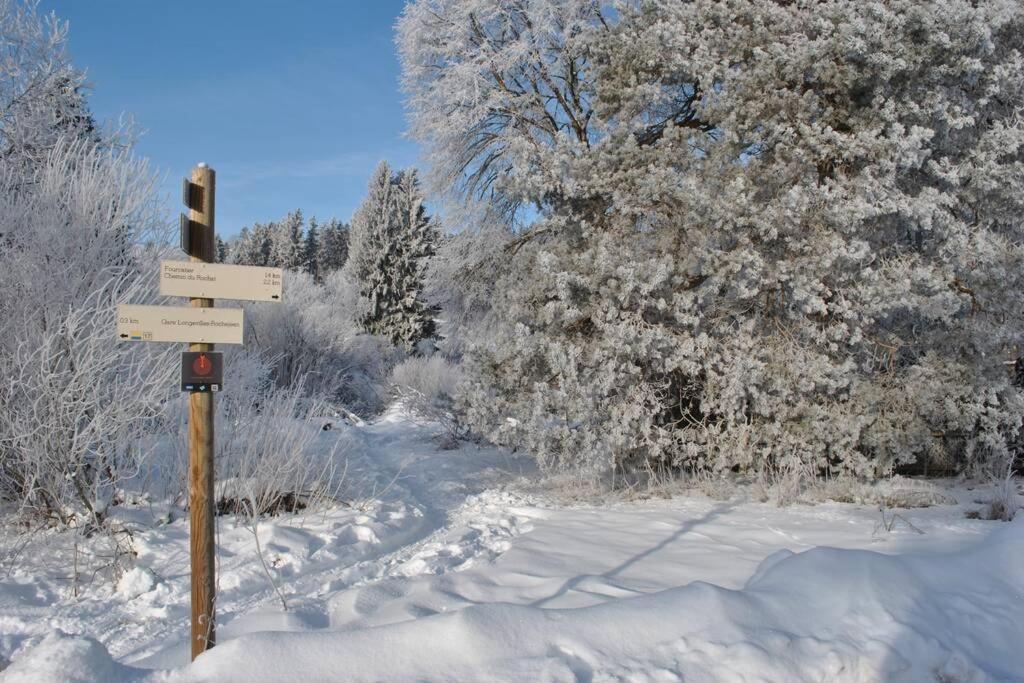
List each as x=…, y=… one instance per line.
x=202, y=369
x=200, y=200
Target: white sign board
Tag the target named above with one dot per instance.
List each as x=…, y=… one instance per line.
x=220, y=281
x=179, y=324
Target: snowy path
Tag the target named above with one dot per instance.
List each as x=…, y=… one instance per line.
x=413, y=488
x=455, y=532
x=409, y=487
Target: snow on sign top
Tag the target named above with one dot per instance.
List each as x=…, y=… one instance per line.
x=220, y=281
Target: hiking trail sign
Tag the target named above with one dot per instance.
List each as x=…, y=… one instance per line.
x=202, y=371
x=220, y=281
x=179, y=324
x=200, y=325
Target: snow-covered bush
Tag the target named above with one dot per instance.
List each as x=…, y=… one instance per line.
x=460, y=284
x=75, y=210
x=74, y=403
x=1005, y=500
x=314, y=337
x=426, y=387
x=770, y=237
x=267, y=456
x=76, y=409
x=290, y=330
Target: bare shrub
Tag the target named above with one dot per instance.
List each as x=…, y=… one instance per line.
x=426, y=386
x=270, y=463
x=888, y=523
x=75, y=404
x=782, y=481
x=312, y=337
x=266, y=453
x=1005, y=499
x=76, y=409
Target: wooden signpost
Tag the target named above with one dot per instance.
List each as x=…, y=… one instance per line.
x=201, y=326
x=200, y=201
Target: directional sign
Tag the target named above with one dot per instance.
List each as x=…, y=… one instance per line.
x=220, y=281
x=179, y=324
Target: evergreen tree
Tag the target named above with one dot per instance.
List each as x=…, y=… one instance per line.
x=263, y=244
x=311, y=250
x=320, y=250
x=333, y=252
x=252, y=247
x=286, y=241
x=222, y=251
x=239, y=249
x=417, y=243
x=370, y=224
x=390, y=241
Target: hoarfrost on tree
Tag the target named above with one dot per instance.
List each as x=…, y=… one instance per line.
x=766, y=235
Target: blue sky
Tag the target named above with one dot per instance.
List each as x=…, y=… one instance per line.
x=292, y=103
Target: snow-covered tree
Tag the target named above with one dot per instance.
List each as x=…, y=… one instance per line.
x=42, y=99
x=75, y=208
x=286, y=241
x=768, y=235
x=499, y=89
x=318, y=250
x=391, y=239
x=417, y=237
x=333, y=250
x=311, y=250
x=368, y=234
x=253, y=247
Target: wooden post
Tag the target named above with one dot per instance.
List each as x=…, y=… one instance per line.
x=200, y=434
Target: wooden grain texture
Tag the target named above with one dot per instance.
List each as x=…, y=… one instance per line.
x=200, y=439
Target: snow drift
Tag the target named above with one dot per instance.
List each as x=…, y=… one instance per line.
x=825, y=614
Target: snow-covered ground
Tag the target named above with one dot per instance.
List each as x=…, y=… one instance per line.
x=454, y=567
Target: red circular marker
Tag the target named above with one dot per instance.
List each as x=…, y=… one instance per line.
x=202, y=365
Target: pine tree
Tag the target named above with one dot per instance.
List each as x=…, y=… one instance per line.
x=370, y=225
x=240, y=248
x=391, y=238
x=319, y=251
x=311, y=250
x=263, y=244
x=417, y=242
x=251, y=247
x=333, y=252
x=286, y=241
x=222, y=251
x=371, y=252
